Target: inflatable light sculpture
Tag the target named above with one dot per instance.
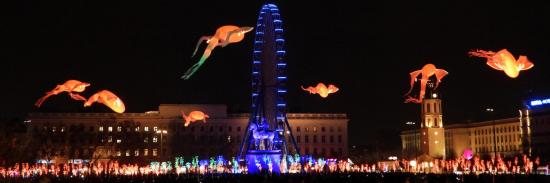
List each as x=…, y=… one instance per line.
x=69, y=86
x=107, y=98
x=427, y=71
x=321, y=89
x=504, y=61
x=194, y=116
x=224, y=35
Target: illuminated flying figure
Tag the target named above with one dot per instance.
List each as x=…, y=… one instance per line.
x=321, y=89
x=504, y=61
x=194, y=116
x=427, y=71
x=69, y=86
x=224, y=35
x=107, y=98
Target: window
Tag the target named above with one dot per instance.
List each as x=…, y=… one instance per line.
x=154, y=139
x=118, y=153
x=101, y=129
x=331, y=129
x=145, y=152
x=146, y=140
x=323, y=139
x=221, y=129
x=230, y=128
x=323, y=129
x=155, y=129
x=146, y=128
x=331, y=139
x=136, y=152
x=307, y=129
x=298, y=139
x=110, y=139
x=118, y=141
x=110, y=129
x=306, y=139
x=238, y=128
x=119, y=129
x=155, y=152
x=137, y=129
x=339, y=129
x=62, y=129
x=128, y=152
x=314, y=138
x=314, y=129
x=298, y=129
x=339, y=138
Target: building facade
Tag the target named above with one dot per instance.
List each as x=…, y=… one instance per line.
x=161, y=135
x=529, y=133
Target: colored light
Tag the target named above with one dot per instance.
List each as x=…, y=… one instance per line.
x=540, y=102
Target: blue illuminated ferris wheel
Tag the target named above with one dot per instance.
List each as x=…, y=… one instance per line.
x=268, y=128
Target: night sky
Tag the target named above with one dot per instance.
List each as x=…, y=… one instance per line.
x=139, y=51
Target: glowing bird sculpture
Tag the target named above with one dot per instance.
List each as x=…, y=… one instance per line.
x=427, y=71
x=223, y=36
x=194, y=116
x=107, y=98
x=321, y=89
x=504, y=61
x=69, y=86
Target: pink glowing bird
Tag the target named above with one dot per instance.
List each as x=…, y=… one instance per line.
x=107, y=98
x=194, y=116
x=504, y=61
x=427, y=71
x=69, y=86
x=321, y=89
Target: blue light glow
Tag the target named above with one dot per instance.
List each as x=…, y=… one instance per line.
x=540, y=102
x=281, y=77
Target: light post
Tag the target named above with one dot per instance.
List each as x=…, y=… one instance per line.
x=414, y=136
x=491, y=110
x=161, y=132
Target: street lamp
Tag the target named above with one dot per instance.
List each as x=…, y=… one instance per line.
x=414, y=136
x=491, y=110
x=161, y=132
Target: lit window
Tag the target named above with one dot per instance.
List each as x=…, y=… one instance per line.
x=53, y=129
x=145, y=152
x=118, y=141
x=146, y=140
x=146, y=128
x=110, y=139
x=136, y=152
x=155, y=129
x=436, y=142
x=307, y=129
x=423, y=133
x=119, y=129
x=100, y=128
x=155, y=152
x=314, y=129
x=62, y=129
x=110, y=129
x=424, y=142
x=137, y=129
x=435, y=133
x=118, y=153
x=127, y=152
x=154, y=139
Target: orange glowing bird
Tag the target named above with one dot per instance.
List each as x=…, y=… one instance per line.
x=194, y=116
x=321, y=89
x=69, y=86
x=504, y=61
x=427, y=71
x=107, y=98
x=223, y=36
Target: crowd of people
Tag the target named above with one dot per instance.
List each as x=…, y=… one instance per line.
x=298, y=168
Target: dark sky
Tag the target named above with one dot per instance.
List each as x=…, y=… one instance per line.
x=140, y=49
